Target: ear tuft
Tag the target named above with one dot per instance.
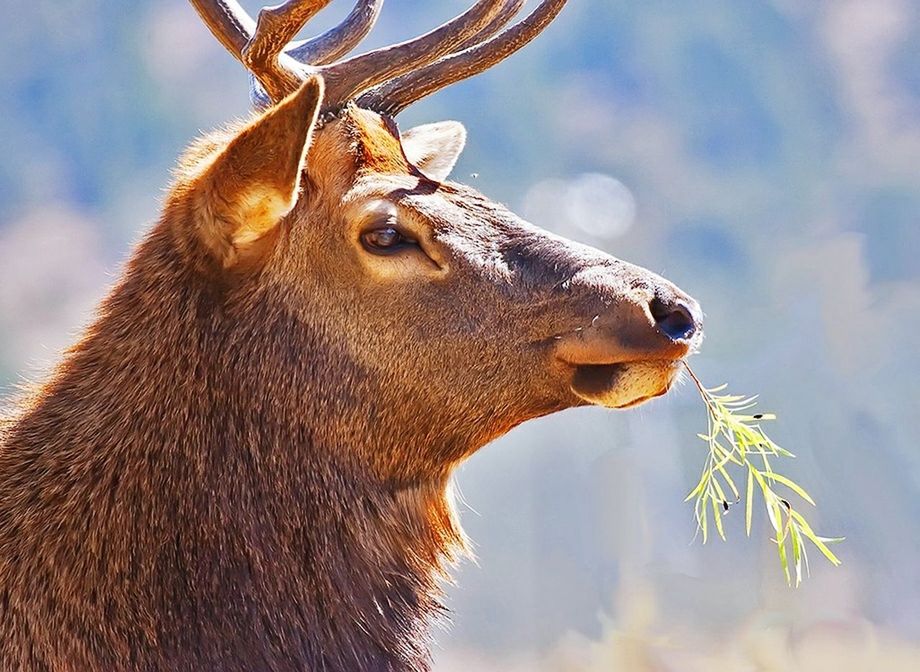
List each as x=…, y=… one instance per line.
x=255, y=181
x=434, y=148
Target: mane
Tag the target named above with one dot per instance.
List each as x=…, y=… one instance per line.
x=169, y=501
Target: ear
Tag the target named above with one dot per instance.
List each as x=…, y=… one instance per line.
x=434, y=148
x=255, y=181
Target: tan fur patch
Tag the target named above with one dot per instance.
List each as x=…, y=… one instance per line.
x=378, y=143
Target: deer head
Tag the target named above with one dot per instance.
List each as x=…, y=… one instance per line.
x=244, y=463
x=467, y=318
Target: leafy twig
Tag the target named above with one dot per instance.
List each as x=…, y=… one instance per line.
x=737, y=441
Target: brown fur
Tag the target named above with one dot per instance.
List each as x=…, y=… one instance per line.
x=378, y=141
x=244, y=463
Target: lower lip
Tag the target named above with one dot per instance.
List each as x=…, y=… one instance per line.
x=642, y=400
x=596, y=378
x=597, y=382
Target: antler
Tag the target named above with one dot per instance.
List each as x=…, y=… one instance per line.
x=337, y=42
x=507, y=12
x=390, y=78
x=397, y=94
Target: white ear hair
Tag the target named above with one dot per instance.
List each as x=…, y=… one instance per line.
x=434, y=148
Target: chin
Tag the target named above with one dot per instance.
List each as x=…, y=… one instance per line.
x=624, y=385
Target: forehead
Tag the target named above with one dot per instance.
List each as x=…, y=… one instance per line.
x=376, y=143
x=356, y=146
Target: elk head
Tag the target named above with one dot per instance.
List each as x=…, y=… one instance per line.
x=451, y=319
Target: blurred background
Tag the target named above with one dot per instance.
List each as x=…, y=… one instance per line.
x=764, y=155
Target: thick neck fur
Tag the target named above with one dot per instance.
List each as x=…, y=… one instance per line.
x=187, y=493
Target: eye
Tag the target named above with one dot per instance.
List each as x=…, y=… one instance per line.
x=385, y=240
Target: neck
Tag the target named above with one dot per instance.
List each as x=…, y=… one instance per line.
x=183, y=515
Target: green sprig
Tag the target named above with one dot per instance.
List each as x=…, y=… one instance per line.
x=736, y=442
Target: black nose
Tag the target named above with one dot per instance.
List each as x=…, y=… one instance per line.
x=674, y=317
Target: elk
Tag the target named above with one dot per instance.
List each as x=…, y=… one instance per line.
x=245, y=461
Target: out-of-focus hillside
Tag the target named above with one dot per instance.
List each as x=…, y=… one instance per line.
x=764, y=155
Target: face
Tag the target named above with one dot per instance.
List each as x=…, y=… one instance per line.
x=469, y=317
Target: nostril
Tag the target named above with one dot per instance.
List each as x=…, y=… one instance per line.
x=673, y=318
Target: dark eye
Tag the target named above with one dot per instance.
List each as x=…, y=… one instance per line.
x=385, y=240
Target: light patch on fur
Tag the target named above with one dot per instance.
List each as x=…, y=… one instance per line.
x=259, y=209
x=633, y=384
x=377, y=141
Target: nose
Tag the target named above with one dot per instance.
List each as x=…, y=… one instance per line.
x=678, y=319
x=650, y=319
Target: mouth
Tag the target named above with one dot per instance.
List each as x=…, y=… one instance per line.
x=624, y=385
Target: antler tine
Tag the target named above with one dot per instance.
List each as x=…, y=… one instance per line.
x=396, y=94
x=228, y=22
x=336, y=42
x=508, y=12
x=348, y=78
x=275, y=28
x=259, y=45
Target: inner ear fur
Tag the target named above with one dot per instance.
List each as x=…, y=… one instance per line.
x=254, y=181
